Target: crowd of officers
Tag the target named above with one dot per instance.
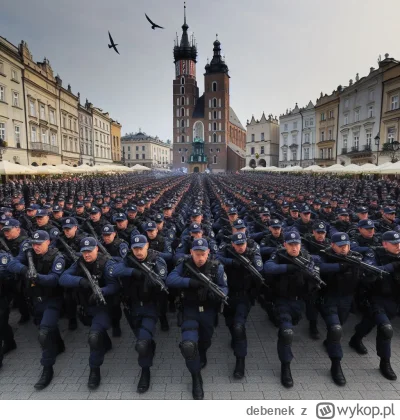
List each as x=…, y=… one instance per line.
x=198, y=245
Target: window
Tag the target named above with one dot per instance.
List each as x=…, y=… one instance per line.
x=182, y=112
x=253, y=137
x=286, y=127
x=183, y=100
x=53, y=139
x=215, y=115
x=394, y=102
x=346, y=103
x=294, y=139
x=346, y=119
x=345, y=142
x=2, y=131
x=330, y=134
x=95, y=122
x=17, y=135
x=311, y=121
x=44, y=135
x=143, y=156
x=183, y=159
x=70, y=123
x=295, y=125
x=285, y=155
x=330, y=114
x=322, y=135
x=182, y=80
x=42, y=112
x=33, y=133
x=262, y=137
x=357, y=115
x=252, y=150
x=356, y=141
x=305, y=123
x=137, y=156
x=1, y=67
x=215, y=126
x=53, y=117
x=322, y=116
x=214, y=159
x=32, y=112
x=369, y=140
x=182, y=123
x=14, y=75
x=330, y=153
x=143, y=148
x=64, y=121
x=391, y=134
x=214, y=138
x=74, y=125
x=371, y=95
x=218, y=150
x=321, y=153
x=182, y=90
x=214, y=102
x=214, y=86
x=15, y=99
x=262, y=150
x=306, y=153
x=294, y=155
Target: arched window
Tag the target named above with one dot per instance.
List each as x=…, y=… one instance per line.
x=182, y=80
x=215, y=126
x=182, y=159
x=182, y=112
x=215, y=115
x=182, y=90
x=183, y=100
x=198, y=130
x=214, y=102
x=214, y=86
x=182, y=123
x=183, y=139
x=214, y=138
x=214, y=159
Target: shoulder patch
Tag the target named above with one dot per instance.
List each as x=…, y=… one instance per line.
x=259, y=263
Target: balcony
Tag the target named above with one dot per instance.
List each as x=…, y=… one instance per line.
x=198, y=159
x=44, y=147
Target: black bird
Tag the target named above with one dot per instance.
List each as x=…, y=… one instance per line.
x=153, y=25
x=112, y=43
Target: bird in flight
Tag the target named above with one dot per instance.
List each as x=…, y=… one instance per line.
x=112, y=43
x=153, y=25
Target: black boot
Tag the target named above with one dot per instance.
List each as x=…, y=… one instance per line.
x=72, y=324
x=116, y=330
x=164, y=323
x=203, y=359
x=45, y=379
x=337, y=373
x=357, y=344
x=314, y=333
x=386, y=369
x=94, y=378
x=144, y=381
x=197, y=386
x=24, y=319
x=9, y=346
x=238, y=373
x=286, y=375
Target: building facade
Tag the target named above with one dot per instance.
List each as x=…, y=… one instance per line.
x=12, y=107
x=116, y=141
x=145, y=150
x=69, y=126
x=102, y=134
x=262, y=142
x=390, y=120
x=207, y=134
x=327, y=120
x=307, y=147
x=42, y=110
x=86, y=133
x=290, y=127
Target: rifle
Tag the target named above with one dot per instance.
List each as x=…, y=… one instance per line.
x=4, y=245
x=99, y=244
x=304, y=265
x=92, y=280
x=248, y=265
x=349, y=259
x=208, y=283
x=264, y=227
x=32, y=274
x=144, y=268
x=28, y=224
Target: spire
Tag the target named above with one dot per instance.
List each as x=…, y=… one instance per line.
x=217, y=64
x=185, y=39
x=186, y=49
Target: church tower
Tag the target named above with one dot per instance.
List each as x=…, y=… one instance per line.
x=185, y=95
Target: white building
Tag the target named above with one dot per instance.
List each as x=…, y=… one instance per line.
x=86, y=133
x=102, y=136
x=262, y=142
x=290, y=125
x=307, y=151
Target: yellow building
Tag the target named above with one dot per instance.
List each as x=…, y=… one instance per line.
x=12, y=111
x=69, y=125
x=390, y=118
x=42, y=110
x=116, y=141
x=326, y=128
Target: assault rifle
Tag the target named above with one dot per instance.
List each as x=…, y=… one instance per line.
x=99, y=244
x=208, y=283
x=4, y=245
x=246, y=263
x=54, y=233
x=351, y=259
x=264, y=227
x=28, y=224
x=150, y=274
x=32, y=274
x=305, y=266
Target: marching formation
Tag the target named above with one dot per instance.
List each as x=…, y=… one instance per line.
x=98, y=248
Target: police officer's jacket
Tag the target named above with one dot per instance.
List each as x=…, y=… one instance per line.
x=118, y=248
x=133, y=282
x=269, y=243
x=14, y=245
x=313, y=246
x=361, y=244
x=161, y=245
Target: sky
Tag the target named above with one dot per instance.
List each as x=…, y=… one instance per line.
x=279, y=52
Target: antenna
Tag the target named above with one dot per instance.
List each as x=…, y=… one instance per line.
x=184, y=12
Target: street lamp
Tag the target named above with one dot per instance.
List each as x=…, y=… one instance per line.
x=377, y=141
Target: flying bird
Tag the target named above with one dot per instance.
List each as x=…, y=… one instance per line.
x=153, y=25
x=112, y=43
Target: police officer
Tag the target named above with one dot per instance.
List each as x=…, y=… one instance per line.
x=383, y=302
x=45, y=294
x=124, y=230
x=290, y=286
x=304, y=224
x=365, y=238
x=273, y=239
x=243, y=289
x=199, y=308
x=43, y=220
x=388, y=221
x=93, y=314
x=143, y=296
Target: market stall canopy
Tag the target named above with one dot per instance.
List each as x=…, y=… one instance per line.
x=9, y=168
x=394, y=168
x=334, y=168
x=138, y=167
x=47, y=170
x=313, y=168
x=247, y=168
